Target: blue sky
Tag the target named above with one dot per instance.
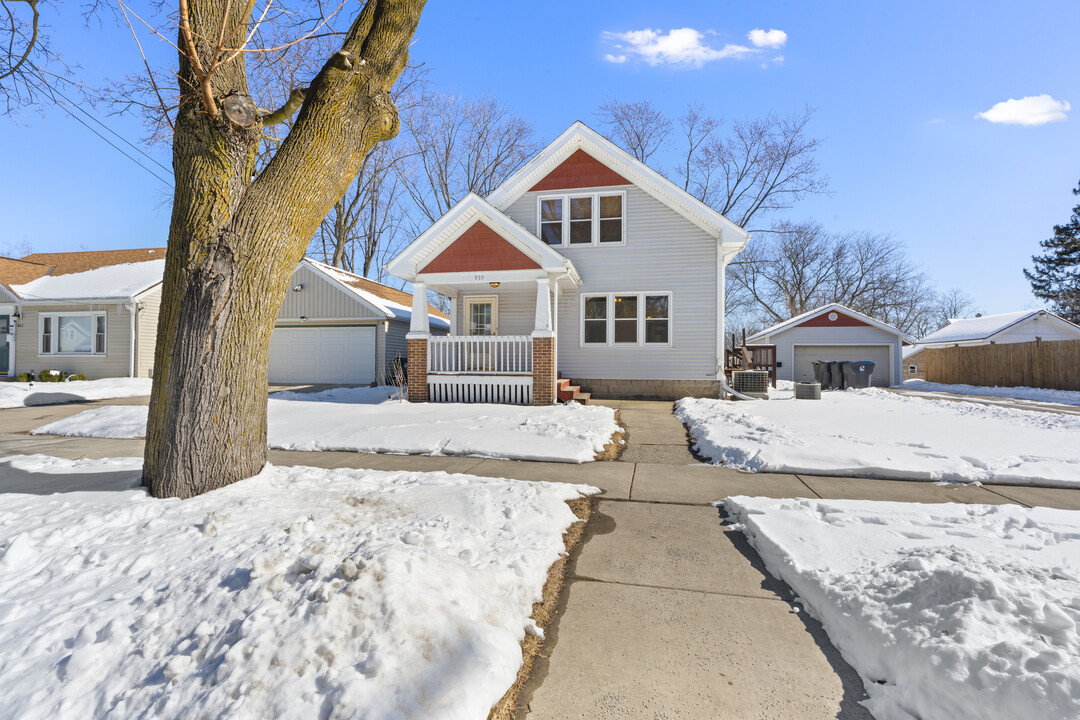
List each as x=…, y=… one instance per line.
x=897, y=90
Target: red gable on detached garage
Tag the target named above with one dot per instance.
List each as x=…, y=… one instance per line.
x=833, y=319
x=479, y=248
x=580, y=170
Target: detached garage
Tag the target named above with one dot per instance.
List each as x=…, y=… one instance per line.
x=341, y=329
x=834, y=332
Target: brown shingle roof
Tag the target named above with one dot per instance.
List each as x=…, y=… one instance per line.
x=76, y=262
x=17, y=272
x=375, y=288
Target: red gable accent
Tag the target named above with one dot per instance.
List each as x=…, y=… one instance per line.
x=841, y=320
x=580, y=170
x=479, y=248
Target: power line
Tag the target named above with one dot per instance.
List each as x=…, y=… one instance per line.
x=118, y=135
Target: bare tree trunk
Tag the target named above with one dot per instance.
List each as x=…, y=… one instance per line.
x=234, y=241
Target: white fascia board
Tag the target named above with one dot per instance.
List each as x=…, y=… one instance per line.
x=449, y=228
x=314, y=267
x=787, y=324
x=581, y=137
x=78, y=301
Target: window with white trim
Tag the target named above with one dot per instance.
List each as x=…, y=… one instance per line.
x=626, y=319
x=71, y=333
x=582, y=219
x=912, y=370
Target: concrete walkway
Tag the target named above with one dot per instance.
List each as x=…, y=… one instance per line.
x=669, y=612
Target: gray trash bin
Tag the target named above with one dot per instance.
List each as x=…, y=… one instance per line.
x=819, y=373
x=836, y=375
x=861, y=372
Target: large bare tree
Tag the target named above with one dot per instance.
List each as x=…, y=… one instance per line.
x=638, y=127
x=237, y=234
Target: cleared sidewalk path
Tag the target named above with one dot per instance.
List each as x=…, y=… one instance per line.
x=669, y=613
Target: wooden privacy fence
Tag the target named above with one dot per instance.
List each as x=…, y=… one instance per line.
x=1051, y=364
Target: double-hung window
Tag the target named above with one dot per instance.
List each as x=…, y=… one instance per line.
x=626, y=319
x=583, y=219
x=72, y=334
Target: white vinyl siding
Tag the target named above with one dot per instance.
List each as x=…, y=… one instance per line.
x=146, y=333
x=321, y=299
x=661, y=251
x=517, y=308
x=113, y=363
x=1044, y=328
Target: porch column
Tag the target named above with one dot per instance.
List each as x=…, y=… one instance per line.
x=543, y=342
x=416, y=341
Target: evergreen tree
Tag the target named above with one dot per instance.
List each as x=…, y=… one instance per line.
x=1056, y=275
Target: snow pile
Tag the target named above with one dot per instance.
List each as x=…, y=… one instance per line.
x=299, y=593
x=353, y=419
x=16, y=394
x=948, y=612
x=112, y=281
x=1061, y=397
x=878, y=433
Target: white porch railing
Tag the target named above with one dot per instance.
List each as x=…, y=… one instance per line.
x=503, y=389
x=480, y=355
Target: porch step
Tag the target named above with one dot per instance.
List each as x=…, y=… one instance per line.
x=570, y=393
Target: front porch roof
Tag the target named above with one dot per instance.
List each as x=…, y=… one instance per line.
x=521, y=255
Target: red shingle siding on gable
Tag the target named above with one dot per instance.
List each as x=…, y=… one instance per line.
x=841, y=320
x=479, y=248
x=580, y=170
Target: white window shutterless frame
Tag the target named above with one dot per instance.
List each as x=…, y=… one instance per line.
x=482, y=315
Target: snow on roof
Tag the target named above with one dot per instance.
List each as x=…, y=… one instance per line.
x=394, y=303
x=910, y=350
x=978, y=328
x=111, y=281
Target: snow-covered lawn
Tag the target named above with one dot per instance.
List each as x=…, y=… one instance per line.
x=17, y=394
x=948, y=612
x=300, y=593
x=877, y=433
x=365, y=420
x=1061, y=397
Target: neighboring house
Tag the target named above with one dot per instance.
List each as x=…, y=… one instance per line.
x=97, y=312
x=93, y=313
x=585, y=263
x=834, y=332
x=914, y=369
x=1014, y=327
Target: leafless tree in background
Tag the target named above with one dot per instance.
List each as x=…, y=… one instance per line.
x=638, y=127
x=459, y=145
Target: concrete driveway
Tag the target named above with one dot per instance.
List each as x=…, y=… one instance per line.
x=669, y=613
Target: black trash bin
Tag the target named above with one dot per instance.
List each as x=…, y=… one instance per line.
x=819, y=373
x=836, y=375
x=860, y=372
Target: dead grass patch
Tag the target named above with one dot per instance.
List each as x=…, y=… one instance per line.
x=617, y=443
x=513, y=704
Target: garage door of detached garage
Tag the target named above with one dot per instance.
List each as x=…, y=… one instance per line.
x=341, y=355
x=805, y=355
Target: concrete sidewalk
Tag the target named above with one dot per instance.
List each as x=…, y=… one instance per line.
x=669, y=613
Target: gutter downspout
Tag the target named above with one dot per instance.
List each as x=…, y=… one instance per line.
x=133, y=307
x=722, y=259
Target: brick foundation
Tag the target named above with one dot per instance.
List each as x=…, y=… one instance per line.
x=417, y=384
x=543, y=392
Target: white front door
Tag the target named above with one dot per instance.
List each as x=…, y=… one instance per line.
x=482, y=316
x=337, y=355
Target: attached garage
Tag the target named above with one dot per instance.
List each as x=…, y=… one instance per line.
x=834, y=332
x=337, y=355
x=805, y=355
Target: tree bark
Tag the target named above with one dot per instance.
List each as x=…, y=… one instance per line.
x=234, y=241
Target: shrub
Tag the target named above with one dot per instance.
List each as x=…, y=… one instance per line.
x=55, y=376
x=77, y=377
x=25, y=377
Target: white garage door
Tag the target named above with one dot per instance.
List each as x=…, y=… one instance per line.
x=343, y=356
x=880, y=354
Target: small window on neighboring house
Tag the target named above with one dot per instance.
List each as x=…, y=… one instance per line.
x=551, y=221
x=596, y=319
x=626, y=318
x=46, y=335
x=73, y=334
x=911, y=369
x=657, y=318
x=611, y=218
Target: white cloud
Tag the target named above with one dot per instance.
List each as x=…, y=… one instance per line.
x=1032, y=110
x=774, y=39
x=681, y=46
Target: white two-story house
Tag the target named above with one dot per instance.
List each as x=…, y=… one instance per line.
x=586, y=265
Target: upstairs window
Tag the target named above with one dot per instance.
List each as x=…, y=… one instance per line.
x=583, y=219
